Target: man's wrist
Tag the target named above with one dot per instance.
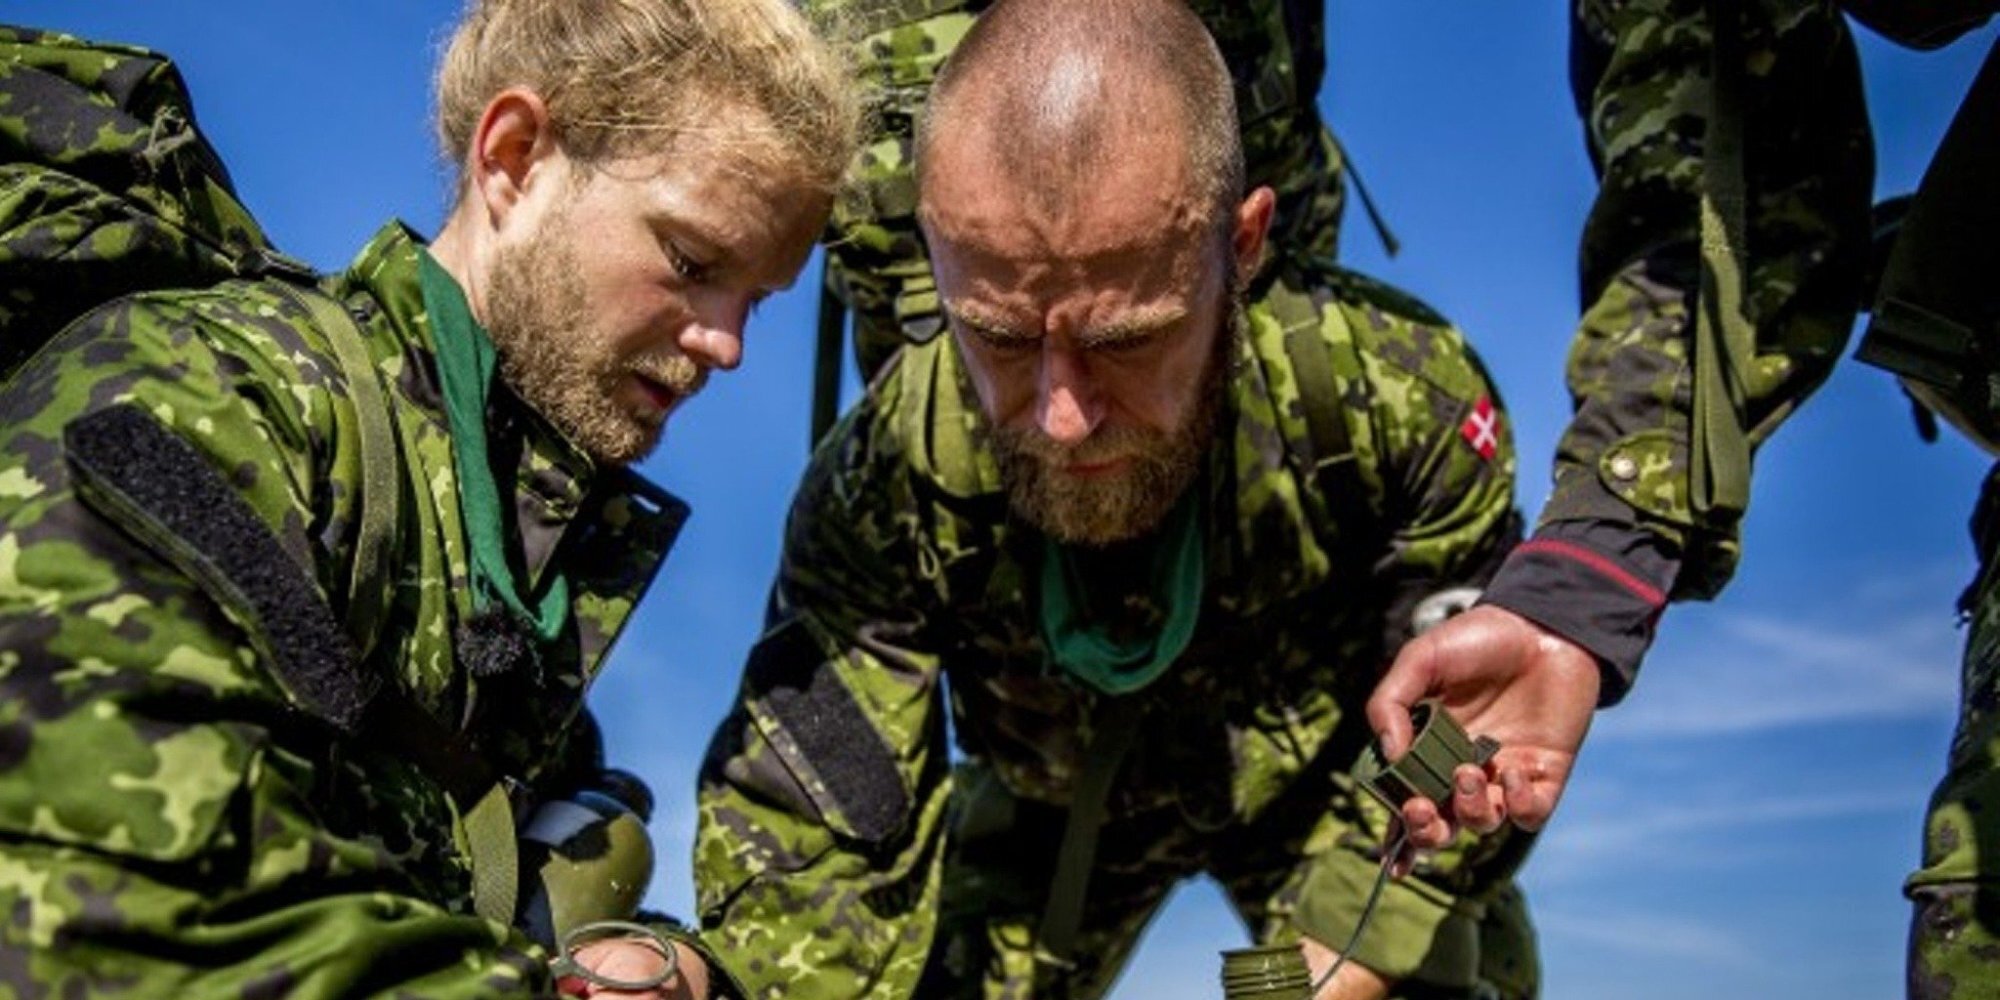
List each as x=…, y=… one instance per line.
x=1598, y=584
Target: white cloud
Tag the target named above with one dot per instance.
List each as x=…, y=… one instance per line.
x=1648, y=934
x=1681, y=831
x=1743, y=672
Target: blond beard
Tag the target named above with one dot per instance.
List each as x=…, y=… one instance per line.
x=552, y=359
x=1104, y=510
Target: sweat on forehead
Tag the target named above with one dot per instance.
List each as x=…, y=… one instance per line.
x=1054, y=92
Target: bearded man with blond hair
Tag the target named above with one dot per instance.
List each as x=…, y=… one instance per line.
x=197, y=798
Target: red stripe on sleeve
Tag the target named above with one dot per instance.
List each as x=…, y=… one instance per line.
x=1604, y=567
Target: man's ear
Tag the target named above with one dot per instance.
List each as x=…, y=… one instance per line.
x=512, y=150
x=1252, y=226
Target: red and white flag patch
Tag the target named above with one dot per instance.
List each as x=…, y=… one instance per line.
x=1482, y=428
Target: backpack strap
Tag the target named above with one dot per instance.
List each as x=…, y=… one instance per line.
x=484, y=798
x=1725, y=341
x=1116, y=728
x=1325, y=455
x=370, y=585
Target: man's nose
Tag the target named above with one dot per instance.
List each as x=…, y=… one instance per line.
x=715, y=340
x=1066, y=402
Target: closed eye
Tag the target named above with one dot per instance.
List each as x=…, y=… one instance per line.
x=1123, y=345
x=1004, y=343
x=685, y=264
x=995, y=338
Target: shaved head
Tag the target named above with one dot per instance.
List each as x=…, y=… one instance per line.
x=1059, y=93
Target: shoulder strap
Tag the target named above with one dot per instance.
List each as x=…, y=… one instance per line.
x=482, y=797
x=1325, y=455
x=1116, y=724
x=370, y=583
x=1724, y=338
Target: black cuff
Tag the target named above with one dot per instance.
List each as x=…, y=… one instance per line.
x=1599, y=584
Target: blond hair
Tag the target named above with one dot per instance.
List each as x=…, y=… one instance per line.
x=625, y=77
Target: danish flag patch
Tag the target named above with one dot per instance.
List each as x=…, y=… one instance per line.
x=1482, y=428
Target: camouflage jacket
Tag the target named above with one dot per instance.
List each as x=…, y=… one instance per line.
x=1620, y=536
x=1275, y=50
x=170, y=823
x=822, y=800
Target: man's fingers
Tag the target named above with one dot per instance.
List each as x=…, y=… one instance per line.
x=1428, y=828
x=1530, y=802
x=1474, y=802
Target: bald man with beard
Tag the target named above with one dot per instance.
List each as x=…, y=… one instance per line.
x=1140, y=534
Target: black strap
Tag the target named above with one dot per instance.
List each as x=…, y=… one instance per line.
x=826, y=360
x=1116, y=728
x=1937, y=315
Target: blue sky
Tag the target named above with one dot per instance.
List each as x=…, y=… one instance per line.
x=1739, y=828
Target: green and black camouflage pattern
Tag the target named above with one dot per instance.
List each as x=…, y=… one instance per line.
x=837, y=854
x=1955, y=931
x=1641, y=77
x=1641, y=70
x=877, y=262
x=106, y=185
x=171, y=824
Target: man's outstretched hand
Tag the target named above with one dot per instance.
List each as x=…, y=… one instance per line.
x=1503, y=676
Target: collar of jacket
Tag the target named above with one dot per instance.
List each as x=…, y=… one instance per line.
x=610, y=527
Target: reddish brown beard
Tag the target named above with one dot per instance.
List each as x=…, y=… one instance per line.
x=552, y=358
x=1117, y=506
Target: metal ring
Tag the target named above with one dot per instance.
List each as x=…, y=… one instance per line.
x=599, y=930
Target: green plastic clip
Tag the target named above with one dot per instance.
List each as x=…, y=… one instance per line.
x=1439, y=747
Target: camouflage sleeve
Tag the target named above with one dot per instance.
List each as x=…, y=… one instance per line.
x=1620, y=520
x=169, y=826
x=817, y=856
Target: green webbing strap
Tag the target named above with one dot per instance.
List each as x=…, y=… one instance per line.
x=1116, y=727
x=1724, y=340
x=483, y=798
x=496, y=860
x=370, y=582
x=1327, y=452
x=486, y=810
x=1319, y=393
x=826, y=361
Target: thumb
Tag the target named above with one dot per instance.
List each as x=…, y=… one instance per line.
x=1407, y=682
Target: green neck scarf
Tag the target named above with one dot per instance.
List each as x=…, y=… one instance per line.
x=466, y=361
x=1083, y=645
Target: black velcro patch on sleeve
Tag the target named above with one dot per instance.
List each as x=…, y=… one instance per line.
x=149, y=481
x=802, y=690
